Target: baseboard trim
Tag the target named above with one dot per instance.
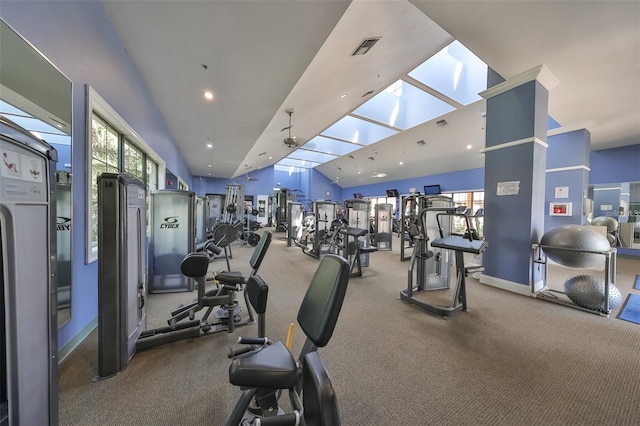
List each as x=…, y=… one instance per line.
x=73, y=343
x=506, y=285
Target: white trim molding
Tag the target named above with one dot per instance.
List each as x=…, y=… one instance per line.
x=568, y=168
x=540, y=73
x=532, y=139
x=523, y=289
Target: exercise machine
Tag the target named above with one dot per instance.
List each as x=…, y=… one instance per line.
x=172, y=236
x=383, y=226
x=28, y=275
x=122, y=276
x=411, y=205
x=224, y=296
x=268, y=367
x=430, y=265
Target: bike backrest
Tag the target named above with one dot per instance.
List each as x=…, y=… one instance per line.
x=319, y=398
x=322, y=302
x=260, y=251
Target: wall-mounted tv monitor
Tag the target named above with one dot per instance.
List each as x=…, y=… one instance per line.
x=393, y=193
x=432, y=190
x=357, y=195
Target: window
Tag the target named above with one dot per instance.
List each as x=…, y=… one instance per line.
x=473, y=201
x=114, y=148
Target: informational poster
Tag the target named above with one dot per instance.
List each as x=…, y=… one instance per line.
x=508, y=188
x=562, y=192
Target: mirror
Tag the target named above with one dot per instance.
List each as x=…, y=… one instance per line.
x=622, y=202
x=36, y=96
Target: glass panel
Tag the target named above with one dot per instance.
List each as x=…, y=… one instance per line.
x=403, y=106
x=330, y=146
x=358, y=131
x=291, y=162
x=455, y=72
x=319, y=157
x=133, y=160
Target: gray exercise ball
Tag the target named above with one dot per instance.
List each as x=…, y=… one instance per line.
x=574, y=237
x=610, y=222
x=588, y=291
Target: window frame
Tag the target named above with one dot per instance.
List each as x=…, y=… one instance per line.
x=97, y=105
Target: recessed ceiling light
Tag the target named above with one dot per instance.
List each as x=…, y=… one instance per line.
x=401, y=163
x=209, y=165
x=208, y=95
x=209, y=145
x=270, y=158
x=469, y=146
x=344, y=95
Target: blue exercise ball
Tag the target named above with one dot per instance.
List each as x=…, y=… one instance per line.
x=576, y=237
x=588, y=291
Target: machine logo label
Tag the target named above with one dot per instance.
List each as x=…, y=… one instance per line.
x=171, y=222
x=63, y=224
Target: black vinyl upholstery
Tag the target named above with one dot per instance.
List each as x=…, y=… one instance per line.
x=237, y=277
x=195, y=265
x=257, y=291
x=321, y=305
x=320, y=401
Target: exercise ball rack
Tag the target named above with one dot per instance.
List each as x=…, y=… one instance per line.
x=546, y=293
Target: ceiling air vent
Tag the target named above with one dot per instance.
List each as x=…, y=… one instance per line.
x=365, y=46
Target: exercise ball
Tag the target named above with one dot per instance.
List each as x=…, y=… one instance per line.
x=609, y=222
x=588, y=291
x=576, y=237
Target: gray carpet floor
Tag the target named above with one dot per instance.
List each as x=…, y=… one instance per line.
x=509, y=360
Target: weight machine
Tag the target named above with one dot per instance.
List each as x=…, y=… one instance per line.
x=431, y=260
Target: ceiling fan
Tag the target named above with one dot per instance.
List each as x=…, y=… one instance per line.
x=289, y=141
x=246, y=174
x=376, y=173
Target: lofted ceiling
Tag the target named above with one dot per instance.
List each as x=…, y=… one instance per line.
x=261, y=58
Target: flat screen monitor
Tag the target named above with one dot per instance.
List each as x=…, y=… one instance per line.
x=357, y=195
x=432, y=190
x=393, y=193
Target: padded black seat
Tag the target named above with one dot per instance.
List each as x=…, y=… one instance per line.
x=194, y=265
x=271, y=367
x=230, y=277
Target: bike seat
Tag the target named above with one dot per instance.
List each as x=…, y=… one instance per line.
x=271, y=367
x=233, y=277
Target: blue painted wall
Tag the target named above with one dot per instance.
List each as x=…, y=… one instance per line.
x=79, y=39
x=615, y=165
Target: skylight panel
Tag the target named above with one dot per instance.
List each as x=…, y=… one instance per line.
x=330, y=146
x=403, y=105
x=318, y=157
x=292, y=162
x=358, y=131
x=455, y=72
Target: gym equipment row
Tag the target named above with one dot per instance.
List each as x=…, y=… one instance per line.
x=122, y=281
x=28, y=279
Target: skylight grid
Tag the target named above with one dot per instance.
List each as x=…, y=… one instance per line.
x=330, y=146
x=455, y=72
x=357, y=130
x=403, y=105
x=36, y=126
x=304, y=154
x=292, y=162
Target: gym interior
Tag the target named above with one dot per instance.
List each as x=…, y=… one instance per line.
x=478, y=265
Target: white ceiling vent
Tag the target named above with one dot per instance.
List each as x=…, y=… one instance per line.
x=365, y=46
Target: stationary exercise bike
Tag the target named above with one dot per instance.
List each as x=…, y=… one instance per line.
x=264, y=368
